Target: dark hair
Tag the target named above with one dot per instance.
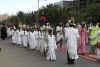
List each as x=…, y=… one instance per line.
x=49, y=30
x=71, y=25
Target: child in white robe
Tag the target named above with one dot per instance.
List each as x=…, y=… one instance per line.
x=24, y=37
x=14, y=37
x=19, y=39
x=51, y=46
x=32, y=40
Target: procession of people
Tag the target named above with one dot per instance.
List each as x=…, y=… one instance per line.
x=41, y=38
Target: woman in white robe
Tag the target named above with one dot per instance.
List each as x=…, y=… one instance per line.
x=51, y=47
x=98, y=43
x=24, y=38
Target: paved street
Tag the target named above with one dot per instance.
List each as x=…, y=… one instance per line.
x=14, y=56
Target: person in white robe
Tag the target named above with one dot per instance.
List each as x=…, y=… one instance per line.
x=98, y=43
x=32, y=40
x=19, y=39
x=37, y=39
x=45, y=41
x=14, y=37
x=59, y=30
x=51, y=46
x=8, y=31
x=42, y=42
x=71, y=46
x=65, y=29
x=49, y=27
x=24, y=37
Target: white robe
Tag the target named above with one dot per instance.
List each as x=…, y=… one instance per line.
x=45, y=35
x=24, y=38
x=37, y=39
x=59, y=36
x=36, y=36
x=32, y=40
x=19, y=39
x=41, y=42
x=94, y=37
x=71, y=46
x=8, y=32
x=14, y=37
x=52, y=46
x=49, y=27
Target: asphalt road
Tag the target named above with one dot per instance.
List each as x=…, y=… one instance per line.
x=14, y=56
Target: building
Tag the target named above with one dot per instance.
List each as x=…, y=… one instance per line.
x=76, y=4
x=4, y=17
x=65, y=3
x=85, y=3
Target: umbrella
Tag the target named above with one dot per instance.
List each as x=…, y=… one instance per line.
x=42, y=19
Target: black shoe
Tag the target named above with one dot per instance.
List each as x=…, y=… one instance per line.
x=98, y=60
x=68, y=63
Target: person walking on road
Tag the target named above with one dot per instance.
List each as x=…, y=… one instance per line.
x=71, y=46
x=59, y=30
x=98, y=42
x=82, y=40
x=93, y=29
x=3, y=32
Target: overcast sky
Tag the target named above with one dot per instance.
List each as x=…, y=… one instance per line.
x=13, y=6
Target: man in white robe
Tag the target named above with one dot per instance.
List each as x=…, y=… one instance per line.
x=24, y=37
x=14, y=37
x=51, y=46
x=59, y=30
x=19, y=39
x=98, y=42
x=71, y=46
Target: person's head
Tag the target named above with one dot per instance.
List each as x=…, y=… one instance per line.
x=50, y=31
x=83, y=24
x=32, y=30
x=94, y=23
x=60, y=24
x=14, y=29
x=71, y=24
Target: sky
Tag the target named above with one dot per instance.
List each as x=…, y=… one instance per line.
x=13, y=6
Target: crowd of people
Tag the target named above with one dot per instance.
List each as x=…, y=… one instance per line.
x=41, y=38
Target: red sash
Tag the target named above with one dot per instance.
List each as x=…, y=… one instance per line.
x=98, y=45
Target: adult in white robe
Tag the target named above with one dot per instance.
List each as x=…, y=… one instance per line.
x=98, y=43
x=59, y=30
x=71, y=46
x=19, y=39
x=24, y=38
x=51, y=47
x=14, y=37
